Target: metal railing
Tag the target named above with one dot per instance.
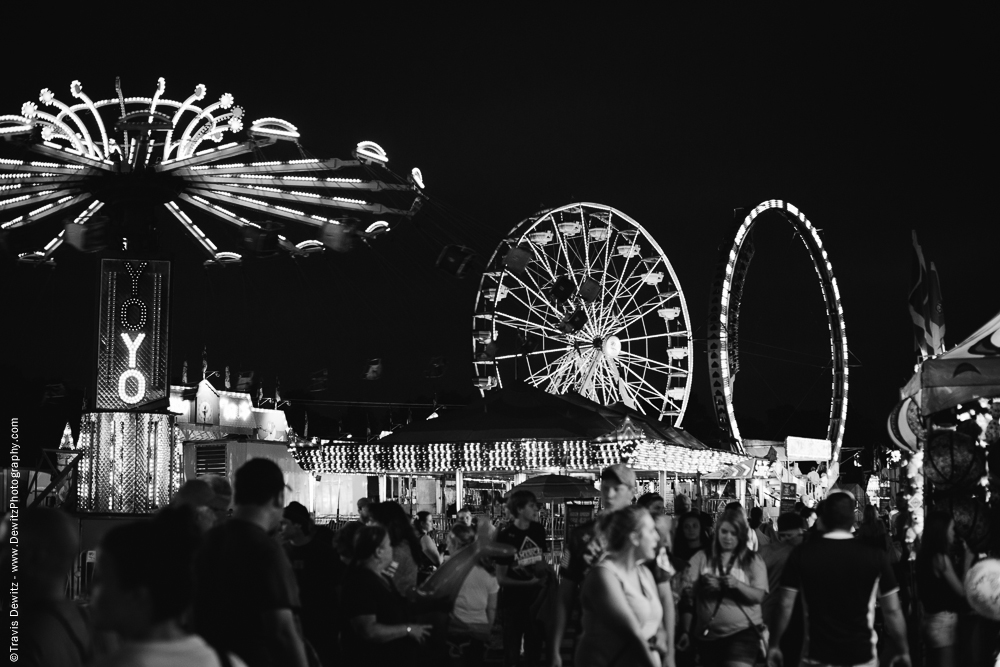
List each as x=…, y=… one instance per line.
x=69, y=469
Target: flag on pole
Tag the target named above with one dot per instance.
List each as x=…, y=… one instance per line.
x=319, y=381
x=244, y=381
x=935, y=313
x=919, y=297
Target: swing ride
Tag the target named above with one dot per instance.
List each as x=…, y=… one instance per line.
x=77, y=158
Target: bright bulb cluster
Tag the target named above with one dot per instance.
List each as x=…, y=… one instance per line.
x=507, y=456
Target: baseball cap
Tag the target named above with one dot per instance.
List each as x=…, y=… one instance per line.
x=620, y=473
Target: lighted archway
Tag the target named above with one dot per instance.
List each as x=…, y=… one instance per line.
x=723, y=335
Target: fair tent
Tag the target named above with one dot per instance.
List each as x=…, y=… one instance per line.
x=969, y=371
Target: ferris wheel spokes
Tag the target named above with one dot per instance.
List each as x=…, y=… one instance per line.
x=652, y=363
x=554, y=350
x=592, y=276
x=520, y=323
x=652, y=391
x=536, y=293
x=638, y=316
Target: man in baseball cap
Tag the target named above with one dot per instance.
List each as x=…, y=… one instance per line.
x=583, y=549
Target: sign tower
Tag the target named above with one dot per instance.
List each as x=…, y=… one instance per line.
x=131, y=461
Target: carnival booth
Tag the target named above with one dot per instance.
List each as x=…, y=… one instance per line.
x=473, y=455
x=768, y=478
x=948, y=428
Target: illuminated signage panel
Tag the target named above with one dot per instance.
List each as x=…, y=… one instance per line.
x=807, y=449
x=133, y=334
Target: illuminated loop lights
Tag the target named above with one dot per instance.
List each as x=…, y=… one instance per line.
x=581, y=298
x=182, y=145
x=723, y=347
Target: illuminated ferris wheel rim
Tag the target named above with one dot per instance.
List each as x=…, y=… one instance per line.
x=90, y=146
x=610, y=344
x=733, y=282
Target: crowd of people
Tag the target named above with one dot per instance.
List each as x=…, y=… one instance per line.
x=234, y=577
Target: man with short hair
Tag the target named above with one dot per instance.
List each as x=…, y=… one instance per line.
x=765, y=534
x=583, y=549
x=364, y=515
x=246, y=595
x=838, y=578
x=465, y=515
x=682, y=505
x=317, y=570
x=518, y=576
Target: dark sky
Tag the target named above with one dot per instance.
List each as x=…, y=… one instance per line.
x=873, y=125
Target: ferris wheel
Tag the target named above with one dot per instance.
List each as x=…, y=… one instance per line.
x=581, y=298
x=175, y=153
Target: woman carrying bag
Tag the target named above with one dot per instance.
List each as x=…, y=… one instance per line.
x=728, y=586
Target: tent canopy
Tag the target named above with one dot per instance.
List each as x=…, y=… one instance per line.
x=548, y=488
x=521, y=411
x=968, y=371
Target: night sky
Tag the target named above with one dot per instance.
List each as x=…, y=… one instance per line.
x=872, y=125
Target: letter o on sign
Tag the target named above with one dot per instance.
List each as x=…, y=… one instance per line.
x=133, y=307
x=140, y=390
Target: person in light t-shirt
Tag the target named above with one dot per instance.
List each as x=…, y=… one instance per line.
x=475, y=607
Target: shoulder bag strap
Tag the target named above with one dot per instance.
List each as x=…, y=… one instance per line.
x=223, y=656
x=718, y=605
x=764, y=641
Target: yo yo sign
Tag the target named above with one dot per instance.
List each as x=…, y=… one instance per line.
x=132, y=334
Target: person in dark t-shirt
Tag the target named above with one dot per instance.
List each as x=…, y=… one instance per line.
x=520, y=583
x=583, y=549
x=378, y=629
x=791, y=533
x=246, y=596
x=838, y=577
x=317, y=568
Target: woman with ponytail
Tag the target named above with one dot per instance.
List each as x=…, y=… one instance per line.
x=143, y=586
x=622, y=614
